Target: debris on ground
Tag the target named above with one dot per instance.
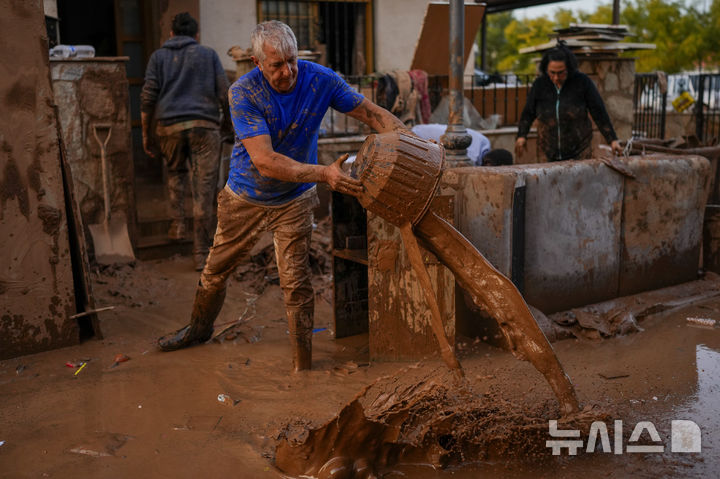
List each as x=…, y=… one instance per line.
x=614, y=375
x=102, y=445
x=233, y=329
x=261, y=269
x=705, y=322
x=227, y=400
x=119, y=358
x=622, y=315
x=128, y=284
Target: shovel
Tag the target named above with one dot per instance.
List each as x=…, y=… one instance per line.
x=110, y=238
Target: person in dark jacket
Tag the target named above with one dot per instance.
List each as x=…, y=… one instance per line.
x=561, y=98
x=185, y=96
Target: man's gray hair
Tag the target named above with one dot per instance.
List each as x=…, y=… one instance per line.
x=274, y=34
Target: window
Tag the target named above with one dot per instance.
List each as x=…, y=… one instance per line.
x=338, y=33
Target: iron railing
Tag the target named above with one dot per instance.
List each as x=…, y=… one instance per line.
x=498, y=99
x=649, y=106
x=502, y=98
x=653, y=98
x=707, y=108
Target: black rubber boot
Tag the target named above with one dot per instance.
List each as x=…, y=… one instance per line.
x=205, y=309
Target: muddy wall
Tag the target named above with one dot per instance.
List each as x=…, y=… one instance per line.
x=590, y=233
x=36, y=285
x=88, y=93
x=398, y=314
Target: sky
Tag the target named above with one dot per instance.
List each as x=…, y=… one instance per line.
x=548, y=10
x=586, y=6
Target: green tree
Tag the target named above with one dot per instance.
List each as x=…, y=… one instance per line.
x=602, y=15
x=686, y=34
x=563, y=18
x=496, y=45
x=519, y=35
x=676, y=31
x=712, y=41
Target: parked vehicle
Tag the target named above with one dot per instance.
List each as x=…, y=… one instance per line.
x=681, y=83
x=679, y=86
x=484, y=79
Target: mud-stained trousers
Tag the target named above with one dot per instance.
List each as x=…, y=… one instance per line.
x=240, y=225
x=194, y=152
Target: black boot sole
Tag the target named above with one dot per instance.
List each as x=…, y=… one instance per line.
x=179, y=340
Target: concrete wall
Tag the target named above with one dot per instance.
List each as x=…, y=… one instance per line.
x=662, y=222
x=50, y=7
x=572, y=234
x=395, y=40
x=224, y=24
x=591, y=234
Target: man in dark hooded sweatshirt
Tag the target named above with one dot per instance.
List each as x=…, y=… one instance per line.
x=561, y=99
x=185, y=95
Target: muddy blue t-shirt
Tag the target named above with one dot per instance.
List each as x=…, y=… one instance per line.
x=291, y=119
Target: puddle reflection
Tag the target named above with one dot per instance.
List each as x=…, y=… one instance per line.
x=698, y=390
x=704, y=406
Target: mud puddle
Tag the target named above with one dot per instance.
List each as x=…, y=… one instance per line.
x=668, y=372
x=158, y=414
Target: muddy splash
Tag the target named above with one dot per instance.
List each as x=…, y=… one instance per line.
x=420, y=417
x=434, y=419
x=400, y=174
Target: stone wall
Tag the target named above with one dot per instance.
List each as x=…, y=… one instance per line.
x=615, y=80
x=91, y=92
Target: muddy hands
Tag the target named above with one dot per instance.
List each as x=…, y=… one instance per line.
x=340, y=181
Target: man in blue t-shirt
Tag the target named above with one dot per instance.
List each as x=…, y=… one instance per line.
x=276, y=111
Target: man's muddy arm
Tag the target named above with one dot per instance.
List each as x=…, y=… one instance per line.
x=377, y=118
x=148, y=140
x=280, y=167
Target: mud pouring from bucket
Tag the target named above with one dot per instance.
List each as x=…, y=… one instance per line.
x=400, y=174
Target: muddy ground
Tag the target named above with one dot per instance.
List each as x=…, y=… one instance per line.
x=159, y=414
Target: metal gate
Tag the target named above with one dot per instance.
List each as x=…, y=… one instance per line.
x=649, y=106
x=707, y=107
